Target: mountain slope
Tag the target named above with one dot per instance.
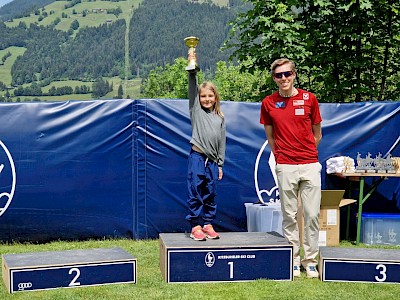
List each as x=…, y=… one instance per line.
x=158, y=29
x=79, y=42
x=18, y=8
x=4, y=2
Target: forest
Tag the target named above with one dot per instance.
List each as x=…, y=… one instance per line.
x=155, y=44
x=94, y=52
x=349, y=58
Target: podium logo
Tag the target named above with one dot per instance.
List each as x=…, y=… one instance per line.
x=24, y=285
x=209, y=259
x=271, y=194
x=7, y=178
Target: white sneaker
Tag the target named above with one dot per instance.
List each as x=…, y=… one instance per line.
x=312, y=271
x=296, y=271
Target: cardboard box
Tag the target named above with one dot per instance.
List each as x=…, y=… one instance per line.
x=329, y=217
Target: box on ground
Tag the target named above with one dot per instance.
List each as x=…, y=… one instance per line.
x=264, y=217
x=236, y=256
x=329, y=217
x=67, y=269
x=380, y=229
x=364, y=265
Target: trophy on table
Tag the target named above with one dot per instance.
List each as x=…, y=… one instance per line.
x=380, y=163
x=348, y=163
x=192, y=42
x=395, y=165
x=365, y=165
x=361, y=164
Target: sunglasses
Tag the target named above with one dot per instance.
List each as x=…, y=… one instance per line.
x=280, y=74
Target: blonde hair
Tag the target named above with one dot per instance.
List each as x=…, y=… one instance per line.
x=211, y=86
x=282, y=61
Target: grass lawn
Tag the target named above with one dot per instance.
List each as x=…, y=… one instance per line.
x=132, y=90
x=151, y=285
x=5, y=69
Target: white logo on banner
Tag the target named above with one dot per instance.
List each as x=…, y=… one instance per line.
x=209, y=259
x=273, y=193
x=3, y=166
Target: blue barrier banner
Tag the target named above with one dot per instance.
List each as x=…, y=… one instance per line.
x=81, y=169
x=163, y=132
x=73, y=169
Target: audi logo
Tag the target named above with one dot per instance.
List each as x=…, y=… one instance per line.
x=24, y=285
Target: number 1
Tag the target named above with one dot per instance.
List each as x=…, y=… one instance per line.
x=230, y=269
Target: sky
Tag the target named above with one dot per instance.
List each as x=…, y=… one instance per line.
x=3, y=2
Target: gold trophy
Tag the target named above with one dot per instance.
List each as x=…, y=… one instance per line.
x=192, y=42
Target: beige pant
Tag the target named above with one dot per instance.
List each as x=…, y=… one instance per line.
x=303, y=180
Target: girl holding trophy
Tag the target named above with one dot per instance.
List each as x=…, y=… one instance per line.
x=207, y=153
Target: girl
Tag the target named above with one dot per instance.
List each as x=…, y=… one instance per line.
x=206, y=156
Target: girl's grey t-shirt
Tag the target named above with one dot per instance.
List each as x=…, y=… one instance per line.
x=208, y=128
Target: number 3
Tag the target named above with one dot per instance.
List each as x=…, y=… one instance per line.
x=382, y=272
x=73, y=281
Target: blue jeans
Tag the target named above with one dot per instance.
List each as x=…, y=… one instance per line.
x=201, y=182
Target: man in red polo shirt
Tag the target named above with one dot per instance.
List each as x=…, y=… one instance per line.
x=292, y=123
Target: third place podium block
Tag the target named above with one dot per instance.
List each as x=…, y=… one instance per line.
x=359, y=265
x=236, y=256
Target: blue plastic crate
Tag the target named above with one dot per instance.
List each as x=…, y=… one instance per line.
x=264, y=218
x=380, y=229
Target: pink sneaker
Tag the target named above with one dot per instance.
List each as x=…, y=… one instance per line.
x=198, y=234
x=210, y=232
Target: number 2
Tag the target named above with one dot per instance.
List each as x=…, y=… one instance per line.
x=73, y=281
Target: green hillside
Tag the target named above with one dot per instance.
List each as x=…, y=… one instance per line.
x=5, y=66
x=82, y=40
x=87, y=13
x=20, y=8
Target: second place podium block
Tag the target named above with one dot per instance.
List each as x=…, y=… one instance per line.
x=236, y=256
x=67, y=269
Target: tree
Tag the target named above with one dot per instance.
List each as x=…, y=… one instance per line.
x=345, y=50
x=267, y=31
x=100, y=88
x=168, y=82
x=232, y=83
x=56, y=21
x=74, y=25
x=241, y=85
x=120, y=92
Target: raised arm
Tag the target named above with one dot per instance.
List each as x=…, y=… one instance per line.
x=192, y=89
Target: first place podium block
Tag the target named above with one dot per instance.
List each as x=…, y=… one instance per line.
x=359, y=265
x=236, y=256
x=66, y=269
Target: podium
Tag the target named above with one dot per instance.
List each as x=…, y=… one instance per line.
x=67, y=269
x=236, y=256
x=359, y=265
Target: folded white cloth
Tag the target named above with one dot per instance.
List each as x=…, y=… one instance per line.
x=340, y=164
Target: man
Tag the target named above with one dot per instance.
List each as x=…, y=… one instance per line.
x=292, y=123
